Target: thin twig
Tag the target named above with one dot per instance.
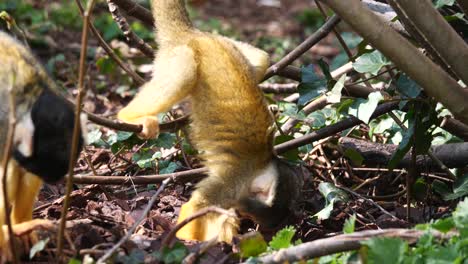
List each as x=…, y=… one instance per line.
x=137, y=78
x=321, y=33
x=150, y=204
x=76, y=128
x=5, y=161
x=179, y=177
x=369, y=200
x=131, y=37
x=212, y=209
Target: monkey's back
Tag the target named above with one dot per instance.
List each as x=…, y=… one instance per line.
x=236, y=124
x=21, y=72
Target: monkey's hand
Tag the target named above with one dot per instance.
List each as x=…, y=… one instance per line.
x=208, y=226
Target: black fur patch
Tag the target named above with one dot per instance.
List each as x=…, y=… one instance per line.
x=53, y=121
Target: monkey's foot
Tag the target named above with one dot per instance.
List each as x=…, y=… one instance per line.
x=208, y=226
x=150, y=126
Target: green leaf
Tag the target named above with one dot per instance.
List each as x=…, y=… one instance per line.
x=283, y=239
x=252, y=245
x=164, y=140
x=316, y=119
x=175, y=254
x=291, y=110
x=370, y=62
x=106, y=65
x=441, y=3
x=74, y=261
x=349, y=225
x=136, y=256
x=291, y=154
x=363, y=109
x=354, y=156
x=407, y=88
x=332, y=194
x=144, y=159
x=460, y=188
x=325, y=69
x=94, y=137
x=123, y=135
x=403, y=147
x=335, y=93
x=385, y=250
x=460, y=216
x=326, y=211
x=311, y=86
x=444, y=225
x=167, y=166
x=38, y=247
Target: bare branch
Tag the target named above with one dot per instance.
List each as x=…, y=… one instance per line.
x=131, y=37
x=436, y=82
x=341, y=243
x=321, y=33
x=76, y=128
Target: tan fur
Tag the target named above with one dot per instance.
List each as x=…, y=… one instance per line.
x=231, y=124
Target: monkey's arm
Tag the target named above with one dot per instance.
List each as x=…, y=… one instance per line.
x=175, y=74
x=257, y=58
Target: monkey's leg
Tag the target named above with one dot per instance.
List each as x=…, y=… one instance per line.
x=13, y=183
x=175, y=74
x=25, y=198
x=23, y=207
x=210, y=192
x=257, y=58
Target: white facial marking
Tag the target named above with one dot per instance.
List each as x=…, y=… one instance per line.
x=264, y=185
x=24, y=136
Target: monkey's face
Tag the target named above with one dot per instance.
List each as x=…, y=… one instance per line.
x=287, y=192
x=50, y=124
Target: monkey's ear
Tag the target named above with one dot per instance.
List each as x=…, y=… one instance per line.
x=24, y=136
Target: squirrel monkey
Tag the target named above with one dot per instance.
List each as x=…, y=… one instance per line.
x=43, y=132
x=231, y=126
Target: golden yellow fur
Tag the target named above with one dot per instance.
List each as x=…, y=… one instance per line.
x=231, y=124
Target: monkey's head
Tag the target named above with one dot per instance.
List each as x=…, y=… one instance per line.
x=280, y=197
x=44, y=136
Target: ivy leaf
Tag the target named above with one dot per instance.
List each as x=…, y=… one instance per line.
x=441, y=3
x=385, y=250
x=252, y=245
x=332, y=194
x=363, y=109
x=354, y=156
x=311, y=86
x=38, y=247
x=144, y=159
x=371, y=62
x=407, y=88
x=403, y=147
x=167, y=166
x=349, y=225
x=175, y=254
x=335, y=93
x=283, y=239
x=164, y=140
x=460, y=216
